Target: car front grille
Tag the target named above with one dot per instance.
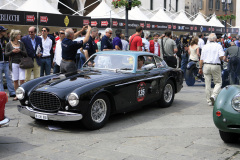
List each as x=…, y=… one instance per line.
x=45, y=101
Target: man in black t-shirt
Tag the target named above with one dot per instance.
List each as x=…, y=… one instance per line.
x=70, y=47
x=91, y=47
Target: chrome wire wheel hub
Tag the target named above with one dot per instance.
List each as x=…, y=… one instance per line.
x=99, y=110
x=168, y=93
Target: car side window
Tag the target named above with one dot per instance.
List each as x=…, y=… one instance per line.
x=143, y=61
x=159, y=62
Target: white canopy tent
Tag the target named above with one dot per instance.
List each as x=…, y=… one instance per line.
x=38, y=6
x=215, y=22
x=200, y=20
x=136, y=14
x=182, y=18
x=161, y=16
x=103, y=11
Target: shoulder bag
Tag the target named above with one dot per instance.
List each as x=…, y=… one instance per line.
x=26, y=63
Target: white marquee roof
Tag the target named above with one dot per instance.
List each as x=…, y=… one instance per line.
x=136, y=14
x=103, y=11
x=200, y=20
x=215, y=22
x=161, y=16
x=182, y=19
x=38, y=6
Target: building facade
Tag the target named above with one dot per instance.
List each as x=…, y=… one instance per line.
x=209, y=7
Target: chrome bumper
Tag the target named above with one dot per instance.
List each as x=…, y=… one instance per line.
x=58, y=116
x=4, y=122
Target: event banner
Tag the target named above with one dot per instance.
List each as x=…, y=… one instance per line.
x=30, y=18
x=100, y=22
x=132, y=24
x=158, y=26
x=205, y=29
x=11, y=17
x=182, y=27
x=59, y=20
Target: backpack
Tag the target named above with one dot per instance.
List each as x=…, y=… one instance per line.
x=226, y=44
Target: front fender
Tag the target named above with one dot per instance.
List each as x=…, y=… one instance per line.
x=191, y=64
x=229, y=116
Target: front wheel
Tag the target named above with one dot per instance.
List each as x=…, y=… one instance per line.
x=229, y=137
x=98, y=113
x=190, y=77
x=167, y=96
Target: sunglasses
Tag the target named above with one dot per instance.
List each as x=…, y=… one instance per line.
x=30, y=32
x=62, y=33
x=44, y=30
x=109, y=33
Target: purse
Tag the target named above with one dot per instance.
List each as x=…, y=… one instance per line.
x=26, y=63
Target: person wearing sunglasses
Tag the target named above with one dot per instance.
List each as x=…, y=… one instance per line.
x=33, y=45
x=46, y=56
x=58, y=52
x=106, y=44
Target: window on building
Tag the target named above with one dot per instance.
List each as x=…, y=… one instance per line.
x=210, y=5
x=231, y=6
x=217, y=5
x=201, y=4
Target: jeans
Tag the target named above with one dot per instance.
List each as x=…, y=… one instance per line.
x=45, y=66
x=4, y=68
x=56, y=68
x=80, y=60
x=184, y=63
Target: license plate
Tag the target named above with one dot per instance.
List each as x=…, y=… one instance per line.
x=41, y=116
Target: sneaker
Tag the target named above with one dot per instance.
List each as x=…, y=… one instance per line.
x=210, y=103
x=212, y=100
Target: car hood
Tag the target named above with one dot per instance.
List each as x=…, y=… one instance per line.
x=64, y=81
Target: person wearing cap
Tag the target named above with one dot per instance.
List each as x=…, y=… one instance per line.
x=236, y=41
x=33, y=45
x=4, y=64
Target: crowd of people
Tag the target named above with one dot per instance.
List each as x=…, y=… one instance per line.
x=68, y=49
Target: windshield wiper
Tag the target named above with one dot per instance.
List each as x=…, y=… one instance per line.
x=125, y=69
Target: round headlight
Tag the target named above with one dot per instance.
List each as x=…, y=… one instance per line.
x=20, y=93
x=236, y=102
x=73, y=99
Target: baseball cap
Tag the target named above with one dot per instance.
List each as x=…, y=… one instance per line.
x=229, y=37
x=2, y=28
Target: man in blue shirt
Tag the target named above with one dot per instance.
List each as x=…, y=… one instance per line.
x=70, y=47
x=117, y=43
x=106, y=43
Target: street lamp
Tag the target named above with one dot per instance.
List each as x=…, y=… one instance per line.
x=225, y=2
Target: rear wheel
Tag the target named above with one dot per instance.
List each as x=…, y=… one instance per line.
x=98, y=113
x=190, y=77
x=167, y=95
x=228, y=137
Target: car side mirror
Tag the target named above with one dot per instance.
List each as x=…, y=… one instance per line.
x=148, y=67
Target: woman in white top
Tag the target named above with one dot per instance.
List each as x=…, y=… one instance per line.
x=193, y=50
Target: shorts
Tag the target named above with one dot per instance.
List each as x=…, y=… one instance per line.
x=17, y=72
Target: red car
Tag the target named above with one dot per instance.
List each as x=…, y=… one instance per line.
x=3, y=100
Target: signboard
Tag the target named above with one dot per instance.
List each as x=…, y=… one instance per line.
x=11, y=17
x=100, y=23
x=132, y=24
x=158, y=26
x=182, y=27
x=47, y=19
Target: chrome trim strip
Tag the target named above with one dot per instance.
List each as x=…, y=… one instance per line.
x=58, y=116
x=4, y=122
x=139, y=80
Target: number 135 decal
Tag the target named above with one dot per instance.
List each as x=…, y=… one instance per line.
x=141, y=91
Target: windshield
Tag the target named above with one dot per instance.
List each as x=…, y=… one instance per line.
x=110, y=61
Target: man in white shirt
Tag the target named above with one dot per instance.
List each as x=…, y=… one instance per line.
x=212, y=54
x=46, y=56
x=124, y=43
x=58, y=52
x=145, y=43
x=200, y=42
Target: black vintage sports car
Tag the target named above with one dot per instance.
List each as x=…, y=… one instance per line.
x=109, y=82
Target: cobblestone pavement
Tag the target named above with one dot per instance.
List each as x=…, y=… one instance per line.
x=183, y=131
